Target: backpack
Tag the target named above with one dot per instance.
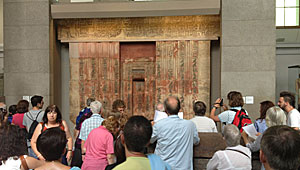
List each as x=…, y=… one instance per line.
x=84, y=111
x=32, y=126
x=241, y=119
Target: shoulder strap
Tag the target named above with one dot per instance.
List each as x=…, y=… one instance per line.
x=29, y=113
x=38, y=115
x=43, y=126
x=23, y=162
x=235, y=110
x=239, y=152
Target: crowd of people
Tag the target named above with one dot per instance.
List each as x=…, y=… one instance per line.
x=37, y=139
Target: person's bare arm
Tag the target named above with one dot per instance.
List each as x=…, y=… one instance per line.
x=33, y=163
x=70, y=140
x=213, y=111
x=76, y=133
x=35, y=135
x=83, y=149
x=110, y=158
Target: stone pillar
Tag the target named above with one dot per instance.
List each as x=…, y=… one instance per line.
x=26, y=49
x=248, y=50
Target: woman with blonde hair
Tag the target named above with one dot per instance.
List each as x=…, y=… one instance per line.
x=100, y=145
x=274, y=116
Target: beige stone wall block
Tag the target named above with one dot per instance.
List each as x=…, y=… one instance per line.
x=26, y=13
x=248, y=9
x=26, y=37
x=33, y=61
x=14, y=13
x=248, y=58
x=251, y=32
x=256, y=83
x=26, y=84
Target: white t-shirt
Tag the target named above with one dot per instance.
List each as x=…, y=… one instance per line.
x=293, y=118
x=204, y=124
x=231, y=158
x=12, y=164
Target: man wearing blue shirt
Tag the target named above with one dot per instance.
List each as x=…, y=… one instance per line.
x=175, y=137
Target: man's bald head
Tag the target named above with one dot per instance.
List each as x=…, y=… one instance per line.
x=172, y=105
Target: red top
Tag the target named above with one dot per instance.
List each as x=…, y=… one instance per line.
x=18, y=119
x=44, y=127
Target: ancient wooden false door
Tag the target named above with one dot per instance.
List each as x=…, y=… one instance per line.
x=140, y=73
x=183, y=70
x=138, y=77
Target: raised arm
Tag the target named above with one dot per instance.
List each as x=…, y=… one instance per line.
x=213, y=110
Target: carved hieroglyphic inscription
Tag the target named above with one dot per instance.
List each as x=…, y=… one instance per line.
x=143, y=28
x=94, y=73
x=183, y=70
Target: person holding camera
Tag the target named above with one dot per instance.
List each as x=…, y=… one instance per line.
x=235, y=101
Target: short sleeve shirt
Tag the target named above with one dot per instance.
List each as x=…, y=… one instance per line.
x=204, y=124
x=99, y=143
x=89, y=124
x=228, y=115
x=30, y=116
x=136, y=163
x=18, y=119
x=293, y=119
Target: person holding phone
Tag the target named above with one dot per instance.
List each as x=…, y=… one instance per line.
x=235, y=101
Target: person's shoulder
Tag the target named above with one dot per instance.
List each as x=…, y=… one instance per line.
x=121, y=166
x=75, y=168
x=295, y=111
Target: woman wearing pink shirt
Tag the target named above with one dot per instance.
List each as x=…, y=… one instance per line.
x=100, y=146
x=22, y=108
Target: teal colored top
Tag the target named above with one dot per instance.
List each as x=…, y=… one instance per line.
x=75, y=168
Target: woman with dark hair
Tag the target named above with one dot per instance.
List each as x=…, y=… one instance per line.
x=235, y=101
x=22, y=108
x=52, y=118
x=118, y=109
x=100, y=145
x=260, y=123
x=13, y=152
x=52, y=145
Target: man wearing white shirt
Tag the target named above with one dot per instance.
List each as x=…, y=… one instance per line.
x=287, y=103
x=235, y=156
x=203, y=123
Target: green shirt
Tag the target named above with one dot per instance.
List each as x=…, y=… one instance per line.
x=134, y=163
